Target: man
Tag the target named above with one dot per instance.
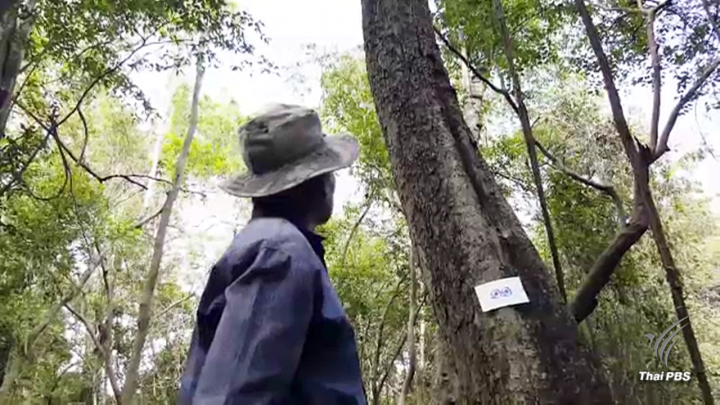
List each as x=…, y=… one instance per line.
x=270, y=327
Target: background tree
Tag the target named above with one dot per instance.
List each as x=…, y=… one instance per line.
x=641, y=156
x=146, y=299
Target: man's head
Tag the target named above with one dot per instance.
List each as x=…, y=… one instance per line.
x=310, y=203
x=290, y=164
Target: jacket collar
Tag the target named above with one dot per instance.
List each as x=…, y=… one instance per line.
x=315, y=240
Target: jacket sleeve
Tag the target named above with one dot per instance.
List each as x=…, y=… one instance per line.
x=259, y=339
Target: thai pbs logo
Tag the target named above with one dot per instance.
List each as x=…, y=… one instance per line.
x=662, y=346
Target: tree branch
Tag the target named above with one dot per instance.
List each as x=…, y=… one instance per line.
x=95, y=81
x=169, y=308
x=365, y=332
x=90, y=330
x=52, y=313
x=675, y=113
x=109, y=334
x=476, y=72
x=380, y=332
x=390, y=362
x=87, y=134
x=711, y=19
x=127, y=177
x=17, y=177
x=613, y=96
x=387, y=368
x=105, y=352
x=90, y=171
x=38, y=57
x=607, y=189
x=585, y=300
x=66, y=171
x=512, y=179
x=150, y=218
x=22, y=86
x=354, y=229
x=149, y=284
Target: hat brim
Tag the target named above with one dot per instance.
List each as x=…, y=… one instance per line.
x=339, y=152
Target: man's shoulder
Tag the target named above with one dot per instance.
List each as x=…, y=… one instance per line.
x=272, y=233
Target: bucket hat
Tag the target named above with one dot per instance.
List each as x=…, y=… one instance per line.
x=283, y=146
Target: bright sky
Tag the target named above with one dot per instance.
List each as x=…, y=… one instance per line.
x=336, y=25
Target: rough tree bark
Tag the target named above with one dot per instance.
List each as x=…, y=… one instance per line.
x=642, y=156
x=464, y=230
x=146, y=299
x=599, y=275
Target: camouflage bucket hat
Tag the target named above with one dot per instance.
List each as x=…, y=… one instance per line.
x=283, y=146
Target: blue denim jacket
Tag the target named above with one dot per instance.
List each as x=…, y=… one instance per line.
x=270, y=327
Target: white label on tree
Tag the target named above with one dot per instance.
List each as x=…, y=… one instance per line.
x=501, y=293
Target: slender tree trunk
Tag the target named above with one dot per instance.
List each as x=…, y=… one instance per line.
x=412, y=315
x=640, y=159
x=146, y=300
x=109, y=370
x=464, y=230
x=522, y=113
x=379, y=374
x=674, y=279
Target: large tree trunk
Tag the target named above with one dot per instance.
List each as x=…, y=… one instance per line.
x=464, y=230
x=146, y=300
